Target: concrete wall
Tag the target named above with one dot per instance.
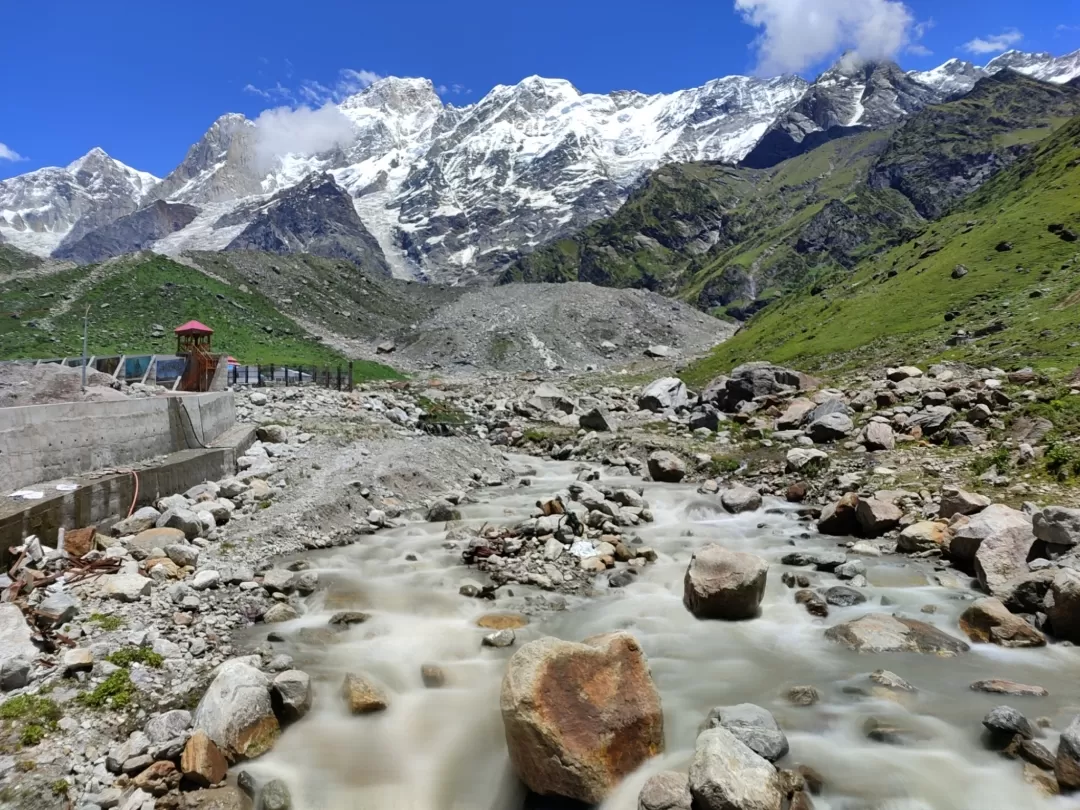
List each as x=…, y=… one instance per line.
x=41, y=443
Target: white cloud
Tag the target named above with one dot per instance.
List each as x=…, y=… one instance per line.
x=797, y=34
x=919, y=50
x=353, y=81
x=442, y=89
x=302, y=131
x=7, y=153
x=995, y=44
x=1065, y=29
x=278, y=91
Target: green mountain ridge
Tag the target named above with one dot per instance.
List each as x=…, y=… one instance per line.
x=995, y=282
x=732, y=239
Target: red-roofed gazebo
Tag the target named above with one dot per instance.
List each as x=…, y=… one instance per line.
x=193, y=328
x=193, y=342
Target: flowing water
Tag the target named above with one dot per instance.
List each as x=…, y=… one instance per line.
x=443, y=749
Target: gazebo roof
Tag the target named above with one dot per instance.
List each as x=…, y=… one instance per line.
x=193, y=328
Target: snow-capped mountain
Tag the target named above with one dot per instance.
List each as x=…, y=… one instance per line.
x=450, y=193
x=39, y=209
x=957, y=76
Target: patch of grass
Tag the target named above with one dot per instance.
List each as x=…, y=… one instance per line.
x=116, y=692
x=25, y=765
x=1017, y=307
x=1000, y=460
x=723, y=464
x=442, y=413
x=107, y=621
x=60, y=787
x=1062, y=460
x=128, y=297
x=126, y=656
x=32, y=717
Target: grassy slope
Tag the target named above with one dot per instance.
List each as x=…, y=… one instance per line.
x=892, y=309
x=810, y=219
x=13, y=260
x=129, y=296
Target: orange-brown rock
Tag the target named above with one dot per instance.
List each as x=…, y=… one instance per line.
x=78, y=542
x=158, y=779
x=580, y=717
x=990, y=622
x=361, y=695
x=502, y=621
x=202, y=762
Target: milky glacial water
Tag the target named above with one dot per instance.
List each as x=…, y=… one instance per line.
x=443, y=749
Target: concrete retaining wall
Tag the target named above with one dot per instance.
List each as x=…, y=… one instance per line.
x=41, y=443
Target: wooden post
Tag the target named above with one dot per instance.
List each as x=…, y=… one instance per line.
x=339, y=378
x=351, y=376
x=258, y=373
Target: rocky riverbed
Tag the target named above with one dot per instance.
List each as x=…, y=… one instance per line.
x=874, y=571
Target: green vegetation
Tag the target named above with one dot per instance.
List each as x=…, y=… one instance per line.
x=116, y=692
x=107, y=621
x=442, y=413
x=1016, y=306
x=1000, y=460
x=126, y=656
x=42, y=317
x=59, y=787
x=12, y=260
x=723, y=465
x=1062, y=460
x=31, y=717
x=733, y=240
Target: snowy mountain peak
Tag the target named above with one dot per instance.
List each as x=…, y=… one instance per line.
x=393, y=94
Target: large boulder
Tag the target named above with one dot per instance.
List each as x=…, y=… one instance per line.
x=956, y=501
x=806, y=460
x=926, y=535
x=988, y=621
x=996, y=520
x=755, y=728
x=667, y=393
x=795, y=413
x=1002, y=557
x=580, y=717
x=830, y=427
x=838, y=519
x=184, y=520
x=17, y=651
x=236, y=712
x=740, y=499
x=879, y=436
x=597, y=419
x=876, y=517
x=1067, y=763
x=932, y=419
x=666, y=467
x=725, y=774
x=547, y=397
x=667, y=790
x=1065, y=612
x=1058, y=526
x=724, y=584
x=758, y=379
x=879, y=632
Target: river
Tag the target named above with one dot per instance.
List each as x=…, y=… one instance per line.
x=443, y=749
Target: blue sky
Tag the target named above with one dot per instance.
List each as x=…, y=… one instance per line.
x=144, y=80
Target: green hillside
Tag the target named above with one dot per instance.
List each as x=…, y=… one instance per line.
x=129, y=297
x=995, y=282
x=732, y=239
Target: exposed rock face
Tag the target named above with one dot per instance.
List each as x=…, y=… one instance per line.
x=580, y=717
x=130, y=233
x=317, y=216
x=726, y=775
x=724, y=584
x=847, y=96
x=236, y=712
x=878, y=632
x=955, y=501
x=756, y=379
x=989, y=621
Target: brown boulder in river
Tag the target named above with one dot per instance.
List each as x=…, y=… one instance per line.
x=580, y=716
x=879, y=632
x=724, y=584
x=989, y=621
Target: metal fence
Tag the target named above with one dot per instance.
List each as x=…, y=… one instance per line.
x=261, y=375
